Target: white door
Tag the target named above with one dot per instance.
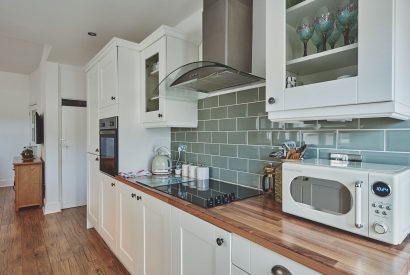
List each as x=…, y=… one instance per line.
x=199, y=247
x=154, y=237
x=73, y=156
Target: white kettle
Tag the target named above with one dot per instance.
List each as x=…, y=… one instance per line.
x=161, y=164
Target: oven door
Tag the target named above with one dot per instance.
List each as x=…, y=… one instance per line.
x=109, y=152
x=336, y=197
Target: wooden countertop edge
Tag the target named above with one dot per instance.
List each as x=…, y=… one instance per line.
x=203, y=214
x=318, y=265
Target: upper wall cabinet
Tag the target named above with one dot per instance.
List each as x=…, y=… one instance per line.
x=108, y=70
x=162, y=52
x=337, y=59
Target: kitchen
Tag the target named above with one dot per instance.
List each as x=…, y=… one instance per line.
x=214, y=97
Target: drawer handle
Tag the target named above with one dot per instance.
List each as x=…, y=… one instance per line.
x=113, y=98
x=139, y=198
x=133, y=195
x=159, y=115
x=112, y=184
x=219, y=241
x=280, y=270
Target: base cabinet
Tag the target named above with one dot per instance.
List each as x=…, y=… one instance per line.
x=199, y=247
x=154, y=237
x=93, y=191
x=108, y=210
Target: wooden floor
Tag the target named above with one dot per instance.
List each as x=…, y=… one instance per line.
x=31, y=243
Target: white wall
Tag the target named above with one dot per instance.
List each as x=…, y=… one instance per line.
x=14, y=121
x=72, y=83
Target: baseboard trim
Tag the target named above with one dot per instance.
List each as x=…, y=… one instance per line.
x=6, y=182
x=51, y=207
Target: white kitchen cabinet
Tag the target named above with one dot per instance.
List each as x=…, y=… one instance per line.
x=251, y=258
x=199, y=247
x=93, y=191
x=162, y=52
x=154, y=236
x=378, y=65
x=92, y=111
x=127, y=225
x=108, y=70
x=237, y=271
x=108, y=207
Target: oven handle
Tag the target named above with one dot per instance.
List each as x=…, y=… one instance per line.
x=358, y=204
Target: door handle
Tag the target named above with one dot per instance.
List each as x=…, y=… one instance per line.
x=358, y=204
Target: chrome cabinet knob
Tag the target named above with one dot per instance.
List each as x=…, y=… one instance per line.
x=271, y=100
x=97, y=159
x=280, y=270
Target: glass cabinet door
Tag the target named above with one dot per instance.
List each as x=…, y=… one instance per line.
x=153, y=71
x=152, y=81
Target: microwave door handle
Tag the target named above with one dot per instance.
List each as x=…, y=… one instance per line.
x=358, y=204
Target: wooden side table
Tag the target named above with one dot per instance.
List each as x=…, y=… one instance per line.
x=28, y=182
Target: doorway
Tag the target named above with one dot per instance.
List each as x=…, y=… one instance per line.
x=73, y=153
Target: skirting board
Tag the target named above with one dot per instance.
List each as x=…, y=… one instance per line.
x=6, y=182
x=51, y=207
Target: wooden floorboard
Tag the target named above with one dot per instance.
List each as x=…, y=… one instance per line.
x=31, y=243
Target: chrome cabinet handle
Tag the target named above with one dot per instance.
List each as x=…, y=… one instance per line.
x=112, y=184
x=358, y=204
x=113, y=98
x=139, y=198
x=133, y=195
x=219, y=241
x=280, y=270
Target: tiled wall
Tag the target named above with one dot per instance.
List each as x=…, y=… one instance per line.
x=234, y=137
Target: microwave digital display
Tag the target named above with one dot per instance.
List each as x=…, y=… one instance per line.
x=381, y=189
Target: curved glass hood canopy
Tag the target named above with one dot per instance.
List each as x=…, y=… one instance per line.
x=195, y=80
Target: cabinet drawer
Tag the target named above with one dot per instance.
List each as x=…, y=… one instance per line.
x=263, y=260
x=330, y=93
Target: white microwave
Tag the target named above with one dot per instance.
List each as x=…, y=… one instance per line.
x=371, y=200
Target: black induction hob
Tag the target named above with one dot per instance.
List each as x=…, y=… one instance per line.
x=209, y=193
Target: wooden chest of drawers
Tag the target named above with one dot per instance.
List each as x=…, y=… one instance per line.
x=28, y=183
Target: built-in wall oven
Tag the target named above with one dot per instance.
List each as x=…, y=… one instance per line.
x=109, y=145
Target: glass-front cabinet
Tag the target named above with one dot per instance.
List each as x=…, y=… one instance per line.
x=164, y=51
x=152, y=59
x=326, y=58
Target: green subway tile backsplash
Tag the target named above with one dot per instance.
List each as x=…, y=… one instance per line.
x=235, y=137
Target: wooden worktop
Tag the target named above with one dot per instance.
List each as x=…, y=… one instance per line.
x=19, y=161
x=322, y=248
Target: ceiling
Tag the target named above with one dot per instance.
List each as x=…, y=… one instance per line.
x=26, y=25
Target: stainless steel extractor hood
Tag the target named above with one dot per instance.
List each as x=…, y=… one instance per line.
x=227, y=49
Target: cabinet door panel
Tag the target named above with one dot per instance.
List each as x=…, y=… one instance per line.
x=108, y=210
x=92, y=110
x=275, y=64
x=109, y=79
x=155, y=239
x=195, y=250
x=93, y=184
x=153, y=110
x=375, y=54
x=127, y=225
